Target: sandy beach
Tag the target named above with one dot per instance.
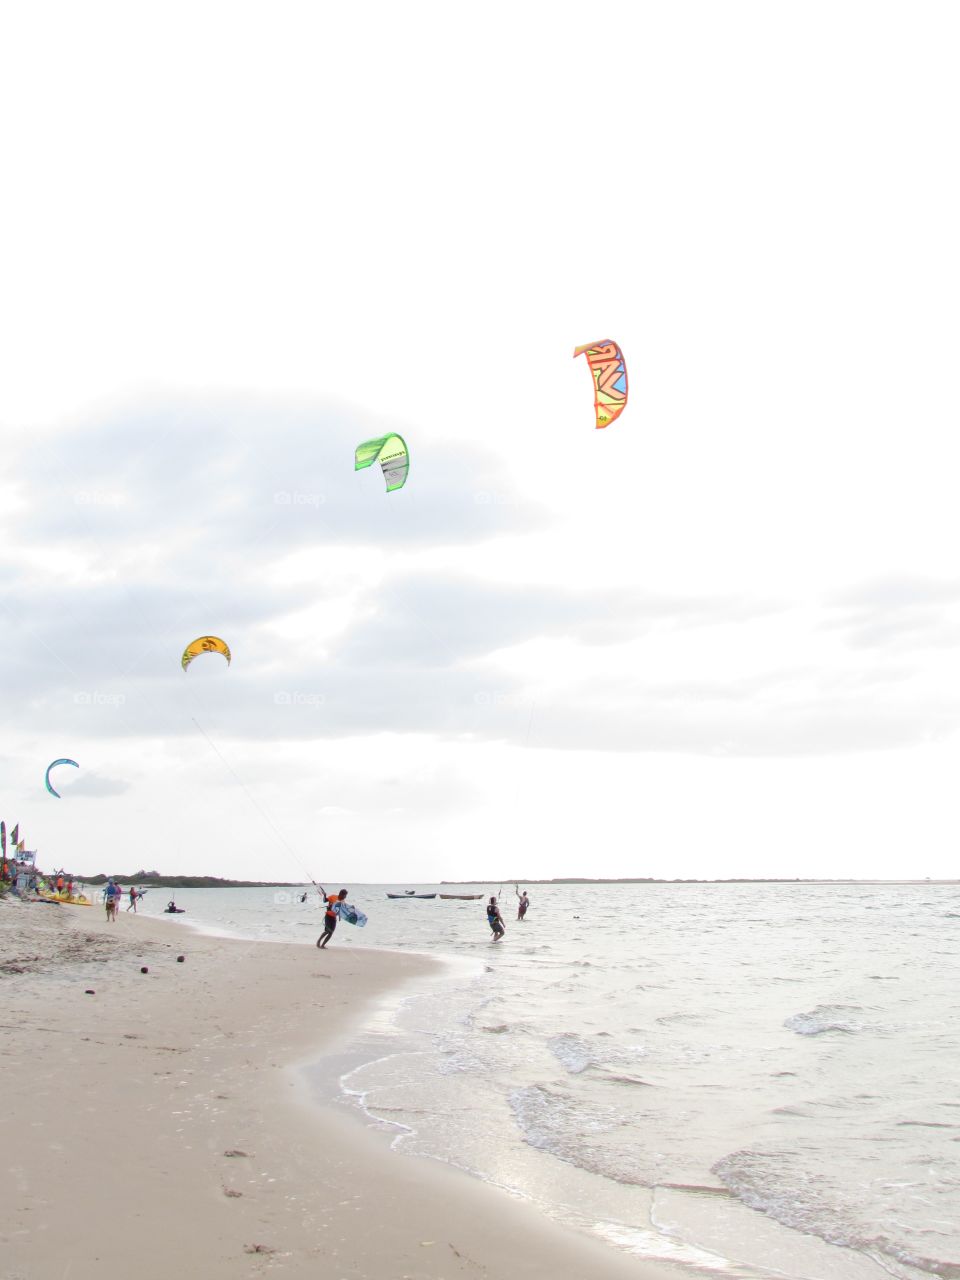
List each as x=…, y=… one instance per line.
x=161, y=1126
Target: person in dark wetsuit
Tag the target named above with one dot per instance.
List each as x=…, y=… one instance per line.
x=330, y=915
x=495, y=919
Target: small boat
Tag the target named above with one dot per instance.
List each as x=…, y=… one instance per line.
x=461, y=897
x=409, y=894
x=78, y=899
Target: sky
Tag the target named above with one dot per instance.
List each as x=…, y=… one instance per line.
x=718, y=638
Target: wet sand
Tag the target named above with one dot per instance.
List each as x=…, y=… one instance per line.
x=161, y=1126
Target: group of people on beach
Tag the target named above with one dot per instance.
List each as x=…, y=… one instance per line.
x=495, y=919
x=26, y=879
x=113, y=893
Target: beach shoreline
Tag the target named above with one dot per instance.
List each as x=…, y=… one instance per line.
x=164, y=1123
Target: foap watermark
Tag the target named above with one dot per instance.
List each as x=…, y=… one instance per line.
x=97, y=699
x=509, y=701
x=283, y=698
x=495, y=498
x=295, y=498
x=284, y=897
x=98, y=498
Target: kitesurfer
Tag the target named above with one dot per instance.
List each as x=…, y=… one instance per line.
x=495, y=919
x=330, y=915
x=522, y=903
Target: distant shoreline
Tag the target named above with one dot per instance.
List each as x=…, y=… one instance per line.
x=214, y=882
x=728, y=880
x=188, y=882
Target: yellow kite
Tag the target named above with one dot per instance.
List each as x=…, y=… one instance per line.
x=204, y=644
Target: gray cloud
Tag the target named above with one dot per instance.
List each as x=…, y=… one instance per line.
x=899, y=612
x=443, y=618
x=177, y=506
x=216, y=486
x=94, y=786
x=422, y=660
x=105, y=660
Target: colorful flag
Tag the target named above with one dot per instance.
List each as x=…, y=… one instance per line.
x=14, y=834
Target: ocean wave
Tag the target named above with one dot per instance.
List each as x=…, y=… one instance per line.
x=775, y=1183
x=824, y=1018
x=573, y=1053
x=564, y=1126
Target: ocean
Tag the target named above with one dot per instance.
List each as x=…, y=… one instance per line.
x=748, y=1080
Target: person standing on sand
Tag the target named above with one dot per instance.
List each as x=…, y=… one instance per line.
x=111, y=897
x=495, y=919
x=330, y=915
x=523, y=902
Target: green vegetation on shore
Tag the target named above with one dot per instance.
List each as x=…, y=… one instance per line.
x=148, y=880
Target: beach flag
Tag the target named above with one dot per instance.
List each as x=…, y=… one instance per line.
x=3, y=839
x=14, y=833
x=20, y=846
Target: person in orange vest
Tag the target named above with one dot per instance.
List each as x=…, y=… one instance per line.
x=330, y=915
x=60, y=885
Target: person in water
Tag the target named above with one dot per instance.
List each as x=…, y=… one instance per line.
x=330, y=915
x=522, y=904
x=495, y=919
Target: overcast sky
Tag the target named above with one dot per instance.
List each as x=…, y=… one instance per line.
x=721, y=637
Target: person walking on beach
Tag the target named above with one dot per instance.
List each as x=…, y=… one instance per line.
x=330, y=915
x=495, y=919
x=522, y=903
x=132, y=904
x=111, y=897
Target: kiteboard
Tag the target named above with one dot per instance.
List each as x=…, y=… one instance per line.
x=347, y=911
